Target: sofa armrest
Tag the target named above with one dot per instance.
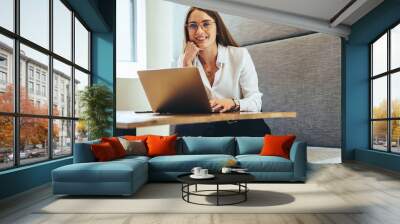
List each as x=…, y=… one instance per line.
x=83, y=152
x=298, y=155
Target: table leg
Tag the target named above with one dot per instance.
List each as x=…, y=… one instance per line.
x=217, y=194
x=196, y=188
x=245, y=193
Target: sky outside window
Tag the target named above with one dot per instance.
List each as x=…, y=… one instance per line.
x=7, y=14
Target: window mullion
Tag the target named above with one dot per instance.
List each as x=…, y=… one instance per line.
x=50, y=81
x=73, y=82
x=389, y=112
x=16, y=83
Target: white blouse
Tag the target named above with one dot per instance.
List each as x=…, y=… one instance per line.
x=236, y=78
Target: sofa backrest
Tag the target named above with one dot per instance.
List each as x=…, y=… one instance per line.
x=249, y=145
x=83, y=152
x=206, y=145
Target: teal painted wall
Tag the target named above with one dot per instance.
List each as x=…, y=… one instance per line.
x=24, y=178
x=103, y=63
x=99, y=15
x=356, y=91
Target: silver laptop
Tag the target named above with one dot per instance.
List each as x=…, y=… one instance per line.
x=177, y=90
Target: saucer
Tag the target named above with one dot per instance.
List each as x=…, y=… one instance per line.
x=208, y=176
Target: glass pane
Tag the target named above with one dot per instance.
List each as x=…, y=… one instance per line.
x=379, y=135
x=6, y=74
x=62, y=138
x=395, y=132
x=81, y=131
x=33, y=139
x=81, y=81
x=81, y=45
x=62, y=89
x=6, y=142
x=395, y=95
x=62, y=29
x=379, y=100
x=34, y=82
x=125, y=31
x=379, y=55
x=35, y=21
x=7, y=14
x=395, y=47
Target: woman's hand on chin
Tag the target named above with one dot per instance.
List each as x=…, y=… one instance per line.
x=222, y=105
x=191, y=51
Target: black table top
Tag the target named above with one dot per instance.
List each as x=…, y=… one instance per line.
x=220, y=178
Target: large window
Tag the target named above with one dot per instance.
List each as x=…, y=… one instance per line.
x=131, y=37
x=44, y=64
x=385, y=91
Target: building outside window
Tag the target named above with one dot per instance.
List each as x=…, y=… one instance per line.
x=34, y=79
x=385, y=91
x=30, y=72
x=38, y=89
x=30, y=87
x=43, y=90
x=3, y=72
x=3, y=78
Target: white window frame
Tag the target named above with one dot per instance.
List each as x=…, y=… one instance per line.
x=128, y=69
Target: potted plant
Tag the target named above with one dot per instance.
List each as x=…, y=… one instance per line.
x=96, y=103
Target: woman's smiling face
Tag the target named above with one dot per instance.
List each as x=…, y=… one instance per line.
x=202, y=29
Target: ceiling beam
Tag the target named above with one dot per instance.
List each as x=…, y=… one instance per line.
x=347, y=11
x=269, y=15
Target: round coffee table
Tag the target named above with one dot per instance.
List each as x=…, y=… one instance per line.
x=238, y=179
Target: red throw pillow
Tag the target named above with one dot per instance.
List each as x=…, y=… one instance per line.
x=161, y=145
x=103, y=152
x=116, y=145
x=277, y=145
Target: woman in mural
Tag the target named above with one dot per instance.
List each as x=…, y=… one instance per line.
x=227, y=72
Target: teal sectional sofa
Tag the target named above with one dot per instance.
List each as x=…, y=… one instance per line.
x=125, y=176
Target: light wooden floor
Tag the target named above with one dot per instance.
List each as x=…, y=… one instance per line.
x=378, y=188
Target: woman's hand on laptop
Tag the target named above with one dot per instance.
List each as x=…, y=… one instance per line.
x=222, y=105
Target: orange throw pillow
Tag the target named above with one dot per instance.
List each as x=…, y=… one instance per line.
x=277, y=145
x=116, y=145
x=136, y=138
x=103, y=152
x=161, y=145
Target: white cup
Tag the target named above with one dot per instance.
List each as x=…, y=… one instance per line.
x=226, y=170
x=196, y=171
x=203, y=172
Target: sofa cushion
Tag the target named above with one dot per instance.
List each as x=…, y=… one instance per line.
x=111, y=171
x=249, y=145
x=185, y=163
x=134, y=147
x=83, y=152
x=207, y=145
x=116, y=145
x=103, y=152
x=161, y=145
x=275, y=145
x=257, y=163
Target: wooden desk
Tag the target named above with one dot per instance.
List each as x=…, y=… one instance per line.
x=129, y=119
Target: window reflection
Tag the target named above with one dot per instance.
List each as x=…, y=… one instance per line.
x=379, y=56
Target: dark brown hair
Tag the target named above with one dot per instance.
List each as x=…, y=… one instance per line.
x=223, y=36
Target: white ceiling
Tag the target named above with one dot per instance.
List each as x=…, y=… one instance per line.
x=313, y=15
x=321, y=9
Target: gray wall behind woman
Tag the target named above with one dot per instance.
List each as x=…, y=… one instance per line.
x=298, y=71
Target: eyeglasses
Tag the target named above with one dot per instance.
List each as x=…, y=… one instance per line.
x=204, y=26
